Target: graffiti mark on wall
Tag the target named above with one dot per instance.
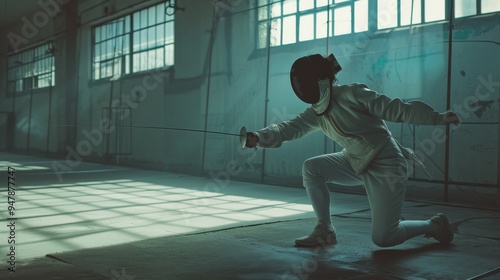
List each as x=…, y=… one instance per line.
x=481, y=106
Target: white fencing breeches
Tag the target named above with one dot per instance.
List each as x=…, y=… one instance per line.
x=384, y=181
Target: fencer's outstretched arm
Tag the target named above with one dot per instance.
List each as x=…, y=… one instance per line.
x=274, y=135
x=395, y=110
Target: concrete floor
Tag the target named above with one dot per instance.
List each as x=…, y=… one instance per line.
x=109, y=222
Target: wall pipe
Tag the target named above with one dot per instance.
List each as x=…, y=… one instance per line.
x=266, y=100
x=209, y=74
x=50, y=116
x=448, y=102
x=325, y=138
x=498, y=164
x=31, y=107
x=77, y=78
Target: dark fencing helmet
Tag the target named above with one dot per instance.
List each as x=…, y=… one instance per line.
x=307, y=71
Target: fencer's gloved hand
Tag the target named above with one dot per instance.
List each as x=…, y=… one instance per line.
x=252, y=140
x=450, y=117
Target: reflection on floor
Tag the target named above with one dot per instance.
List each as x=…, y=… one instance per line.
x=108, y=222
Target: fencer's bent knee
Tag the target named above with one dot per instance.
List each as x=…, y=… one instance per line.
x=308, y=168
x=382, y=241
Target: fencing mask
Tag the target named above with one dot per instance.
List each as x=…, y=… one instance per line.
x=309, y=75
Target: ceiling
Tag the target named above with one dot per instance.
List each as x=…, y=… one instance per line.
x=11, y=11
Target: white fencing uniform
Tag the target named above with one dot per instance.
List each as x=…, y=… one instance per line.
x=370, y=155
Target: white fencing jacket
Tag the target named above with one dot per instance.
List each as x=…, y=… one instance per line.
x=355, y=121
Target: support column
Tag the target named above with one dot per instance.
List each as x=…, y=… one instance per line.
x=66, y=78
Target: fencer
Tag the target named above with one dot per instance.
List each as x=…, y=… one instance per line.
x=354, y=116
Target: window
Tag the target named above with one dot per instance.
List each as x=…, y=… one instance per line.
x=31, y=69
x=464, y=8
x=293, y=21
x=394, y=13
x=137, y=42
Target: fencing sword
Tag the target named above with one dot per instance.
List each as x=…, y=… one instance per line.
x=242, y=135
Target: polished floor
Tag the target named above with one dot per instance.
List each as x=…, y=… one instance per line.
x=92, y=221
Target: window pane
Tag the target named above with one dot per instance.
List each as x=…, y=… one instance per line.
x=306, y=29
x=306, y=5
x=151, y=59
x=144, y=18
x=276, y=32
x=95, y=70
x=289, y=30
x=330, y=19
x=160, y=34
x=169, y=55
x=120, y=26
x=263, y=13
x=127, y=24
x=117, y=66
x=144, y=61
x=135, y=62
x=169, y=32
x=406, y=14
x=28, y=56
x=341, y=1
x=262, y=40
x=160, y=13
x=127, y=64
x=342, y=20
x=151, y=37
x=434, y=10
x=276, y=10
x=126, y=44
x=109, y=49
x=465, y=8
x=387, y=13
x=289, y=7
x=110, y=30
x=118, y=45
x=137, y=20
x=144, y=39
x=106, y=69
x=489, y=6
x=152, y=16
x=361, y=16
x=136, y=41
x=97, y=34
x=321, y=24
x=159, y=56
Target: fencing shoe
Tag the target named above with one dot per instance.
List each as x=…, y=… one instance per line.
x=321, y=235
x=444, y=234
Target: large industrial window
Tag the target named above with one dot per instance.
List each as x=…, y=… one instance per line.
x=464, y=8
x=31, y=69
x=137, y=42
x=393, y=13
x=295, y=21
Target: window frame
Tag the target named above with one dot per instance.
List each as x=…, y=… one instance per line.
x=479, y=11
x=38, y=54
x=128, y=49
x=372, y=20
x=298, y=14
